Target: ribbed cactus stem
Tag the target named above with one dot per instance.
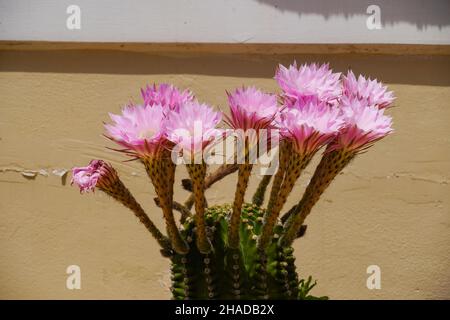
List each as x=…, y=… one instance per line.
x=235, y=273
x=244, y=172
x=329, y=167
x=258, y=197
x=156, y=170
x=209, y=276
x=235, y=262
x=261, y=270
x=115, y=188
x=181, y=278
x=197, y=173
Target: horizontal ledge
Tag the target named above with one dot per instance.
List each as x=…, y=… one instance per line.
x=262, y=48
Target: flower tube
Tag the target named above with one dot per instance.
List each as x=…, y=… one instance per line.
x=251, y=111
x=101, y=175
x=305, y=130
x=364, y=124
x=193, y=129
x=141, y=131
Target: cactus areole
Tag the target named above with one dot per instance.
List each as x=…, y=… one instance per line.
x=241, y=250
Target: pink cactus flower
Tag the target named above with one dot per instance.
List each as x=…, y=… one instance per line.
x=194, y=127
x=371, y=90
x=87, y=178
x=251, y=108
x=139, y=129
x=166, y=95
x=308, y=83
x=364, y=125
x=310, y=127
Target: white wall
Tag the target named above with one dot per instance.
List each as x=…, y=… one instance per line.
x=228, y=21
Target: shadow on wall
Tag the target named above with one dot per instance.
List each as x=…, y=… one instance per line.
x=421, y=13
x=420, y=70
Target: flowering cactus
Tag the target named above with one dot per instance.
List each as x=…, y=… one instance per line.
x=241, y=250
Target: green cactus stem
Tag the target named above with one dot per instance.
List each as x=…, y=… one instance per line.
x=235, y=273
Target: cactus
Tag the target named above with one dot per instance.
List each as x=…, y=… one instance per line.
x=228, y=273
x=241, y=250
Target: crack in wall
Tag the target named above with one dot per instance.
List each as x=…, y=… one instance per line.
x=32, y=174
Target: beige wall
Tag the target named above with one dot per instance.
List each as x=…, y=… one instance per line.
x=390, y=207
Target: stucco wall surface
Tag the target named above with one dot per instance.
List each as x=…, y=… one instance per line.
x=228, y=21
x=390, y=207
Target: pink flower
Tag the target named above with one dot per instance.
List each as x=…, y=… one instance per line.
x=371, y=90
x=307, y=83
x=87, y=178
x=193, y=127
x=166, y=95
x=139, y=129
x=251, y=108
x=310, y=127
x=364, y=125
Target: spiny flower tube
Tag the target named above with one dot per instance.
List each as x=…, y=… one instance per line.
x=191, y=130
x=371, y=90
x=251, y=111
x=141, y=130
x=101, y=175
x=363, y=125
x=311, y=82
x=166, y=95
x=304, y=130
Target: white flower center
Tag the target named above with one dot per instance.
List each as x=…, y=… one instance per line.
x=146, y=134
